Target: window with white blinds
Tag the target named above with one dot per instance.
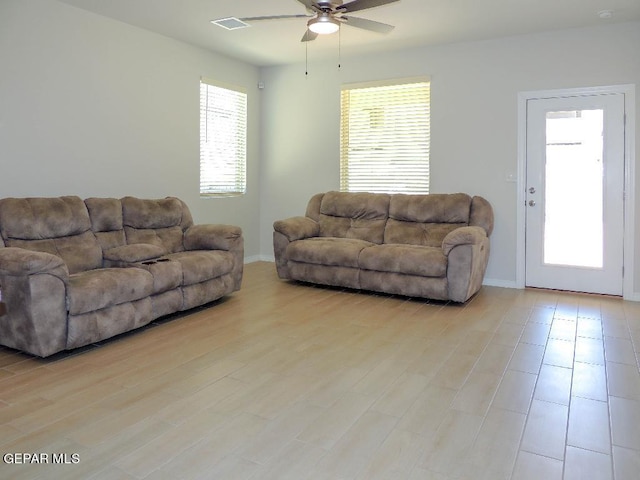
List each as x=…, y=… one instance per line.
x=384, y=137
x=223, y=140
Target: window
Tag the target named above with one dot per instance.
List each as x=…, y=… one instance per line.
x=223, y=140
x=384, y=137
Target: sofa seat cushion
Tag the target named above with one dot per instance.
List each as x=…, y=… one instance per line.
x=136, y=252
x=406, y=259
x=342, y=252
x=167, y=274
x=104, y=287
x=202, y=265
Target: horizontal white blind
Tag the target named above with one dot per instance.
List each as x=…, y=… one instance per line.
x=223, y=140
x=385, y=135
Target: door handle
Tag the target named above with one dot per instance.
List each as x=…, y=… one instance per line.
x=532, y=190
x=532, y=203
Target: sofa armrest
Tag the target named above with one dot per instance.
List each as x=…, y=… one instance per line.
x=463, y=236
x=213, y=237
x=287, y=231
x=34, y=286
x=297, y=228
x=467, y=251
x=219, y=237
x=16, y=261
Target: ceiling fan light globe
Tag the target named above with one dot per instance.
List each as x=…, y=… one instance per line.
x=323, y=25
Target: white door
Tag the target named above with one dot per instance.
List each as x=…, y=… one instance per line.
x=575, y=193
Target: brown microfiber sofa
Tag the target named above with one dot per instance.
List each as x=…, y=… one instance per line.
x=433, y=246
x=75, y=272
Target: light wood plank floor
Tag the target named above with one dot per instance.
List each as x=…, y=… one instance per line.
x=286, y=381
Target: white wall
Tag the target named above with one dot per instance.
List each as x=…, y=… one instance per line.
x=95, y=107
x=474, y=118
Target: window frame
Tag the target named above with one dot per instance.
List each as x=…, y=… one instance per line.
x=371, y=174
x=232, y=154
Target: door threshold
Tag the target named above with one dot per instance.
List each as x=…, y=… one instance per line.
x=574, y=292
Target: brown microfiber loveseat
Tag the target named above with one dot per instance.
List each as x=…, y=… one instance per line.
x=433, y=246
x=75, y=272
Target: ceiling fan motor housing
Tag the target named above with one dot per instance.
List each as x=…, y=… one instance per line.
x=329, y=5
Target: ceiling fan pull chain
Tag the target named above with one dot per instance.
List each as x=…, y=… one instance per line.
x=340, y=48
x=306, y=58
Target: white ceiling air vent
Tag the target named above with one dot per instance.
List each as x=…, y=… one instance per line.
x=230, y=23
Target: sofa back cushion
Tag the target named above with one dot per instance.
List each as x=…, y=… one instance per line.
x=60, y=226
x=360, y=216
x=159, y=222
x=106, y=221
x=425, y=219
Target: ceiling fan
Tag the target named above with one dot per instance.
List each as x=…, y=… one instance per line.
x=326, y=16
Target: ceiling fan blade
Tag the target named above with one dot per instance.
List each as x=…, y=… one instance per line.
x=308, y=4
x=272, y=17
x=358, y=5
x=367, y=24
x=309, y=36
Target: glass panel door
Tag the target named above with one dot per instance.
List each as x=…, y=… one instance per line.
x=573, y=226
x=575, y=193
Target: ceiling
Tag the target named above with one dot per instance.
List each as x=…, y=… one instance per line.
x=417, y=22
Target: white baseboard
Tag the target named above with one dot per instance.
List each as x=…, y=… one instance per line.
x=259, y=258
x=634, y=297
x=493, y=282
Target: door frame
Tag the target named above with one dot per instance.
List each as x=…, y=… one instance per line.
x=629, y=176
